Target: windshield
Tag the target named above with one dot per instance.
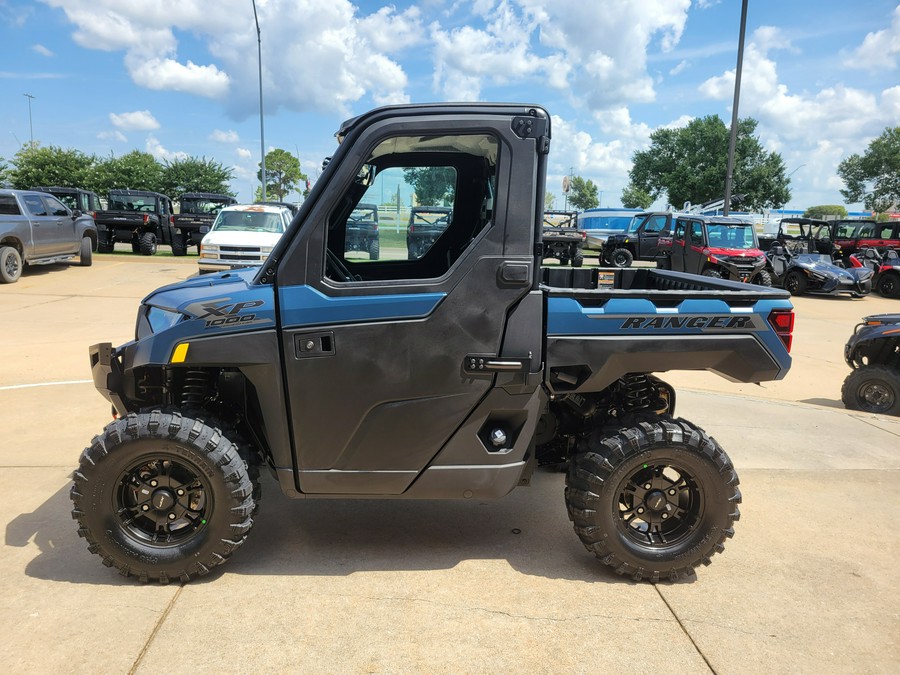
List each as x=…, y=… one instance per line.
x=132, y=203
x=248, y=221
x=430, y=217
x=739, y=236
x=635, y=224
x=69, y=200
x=202, y=206
x=363, y=214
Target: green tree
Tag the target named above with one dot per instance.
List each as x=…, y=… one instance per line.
x=549, y=200
x=635, y=198
x=4, y=174
x=36, y=165
x=195, y=174
x=873, y=178
x=689, y=165
x=135, y=170
x=819, y=212
x=282, y=174
x=433, y=185
x=583, y=194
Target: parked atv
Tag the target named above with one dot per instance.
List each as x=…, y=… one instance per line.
x=874, y=354
x=815, y=273
x=886, y=268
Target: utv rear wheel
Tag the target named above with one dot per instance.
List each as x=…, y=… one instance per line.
x=874, y=389
x=162, y=497
x=179, y=246
x=148, y=243
x=374, y=249
x=653, y=501
x=795, y=283
x=621, y=257
x=578, y=259
x=105, y=247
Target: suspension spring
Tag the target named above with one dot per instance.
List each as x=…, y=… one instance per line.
x=195, y=388
x=638, y=391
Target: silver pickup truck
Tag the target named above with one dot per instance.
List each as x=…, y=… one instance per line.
x=38, y=229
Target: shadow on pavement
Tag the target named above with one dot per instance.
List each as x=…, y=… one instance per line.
x=825, y=402
x=529, y=529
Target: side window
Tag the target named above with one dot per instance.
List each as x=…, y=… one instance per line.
x=866, y=231
x=417, y=206
x=8, y=206
x=35, y=205
x=887, y=231
x=655, y=225
x=680, y=228
x=56, y=207
x=696, y=233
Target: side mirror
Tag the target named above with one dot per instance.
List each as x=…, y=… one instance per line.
x=77, y=213
x=204, y=229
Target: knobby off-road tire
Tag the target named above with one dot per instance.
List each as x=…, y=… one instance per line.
x=147, y=243
x=162, y=497
x=874, y=389
x=10, y=265
x=763, y=278
x=179, y=245
x=713, y=273
x=374, y=249
x=667, y=529
x=105, y=247
x=621, y=257
x=578, y=259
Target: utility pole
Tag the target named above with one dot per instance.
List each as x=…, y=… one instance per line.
x=30, y=125
x=734, y=110
x=262, y=131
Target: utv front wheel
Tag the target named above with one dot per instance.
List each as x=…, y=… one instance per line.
x=653, y=501
x=621, y=257
x=874, y=389
x=162, y=497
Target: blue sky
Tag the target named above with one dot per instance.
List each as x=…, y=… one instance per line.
x=176, y=77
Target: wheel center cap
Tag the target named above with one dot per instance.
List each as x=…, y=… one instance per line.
x=656, y=501
x=162, y=500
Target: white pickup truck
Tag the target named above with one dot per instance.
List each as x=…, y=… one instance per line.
x=38, y=229
x=242, y=236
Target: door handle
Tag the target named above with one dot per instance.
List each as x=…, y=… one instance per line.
x=474, y=364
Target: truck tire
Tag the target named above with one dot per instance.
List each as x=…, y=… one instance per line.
x=889, y=284
x=179, y=245
x=374, y=249
x=653, y=501
x=162, y=497
x=10, y=265
x=148, y=243
x=874, y=389
x=578, y=260
x=795, y=283
x=85, y=256
x=621, y=257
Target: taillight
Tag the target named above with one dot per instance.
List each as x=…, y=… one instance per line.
x=171, y=220
x=782, y=321
x=146, y=219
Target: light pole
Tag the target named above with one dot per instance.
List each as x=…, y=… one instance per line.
x=734, y=109
x=262, y=131
x=30, y=125
x=787, y=180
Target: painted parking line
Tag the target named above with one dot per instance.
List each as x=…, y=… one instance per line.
x=44, y=384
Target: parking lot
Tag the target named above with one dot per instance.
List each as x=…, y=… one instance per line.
x=805, y=586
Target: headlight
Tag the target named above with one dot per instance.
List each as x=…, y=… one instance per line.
x=212, y=248
x=160, y=319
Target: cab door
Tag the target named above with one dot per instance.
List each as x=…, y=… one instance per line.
x=679, y=237
x=386, y=359
x=44, y=226
x=693, y=251
x=65, y=242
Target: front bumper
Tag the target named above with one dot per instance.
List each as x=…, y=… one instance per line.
x=106, y=371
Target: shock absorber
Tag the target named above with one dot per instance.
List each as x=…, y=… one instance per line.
x=195, y=388
x=638, y=392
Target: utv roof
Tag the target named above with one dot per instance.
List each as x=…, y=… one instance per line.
x=136, y=193
x=208, y=195
x=60, y=189
x=521, y=109
x=805, y=221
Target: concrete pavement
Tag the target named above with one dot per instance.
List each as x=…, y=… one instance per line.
x=378, y=586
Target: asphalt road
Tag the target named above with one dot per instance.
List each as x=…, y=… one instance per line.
x=806, y=585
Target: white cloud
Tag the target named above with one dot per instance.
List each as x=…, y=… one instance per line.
x=42, y=50
x=680, y=68
x=168, y=74
x=390, y=32
x=812, y=128
x=243, y=153
x=220, y=136
x=139, y=120
x=155, y=148
x=112, y=136
x=880, y=49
